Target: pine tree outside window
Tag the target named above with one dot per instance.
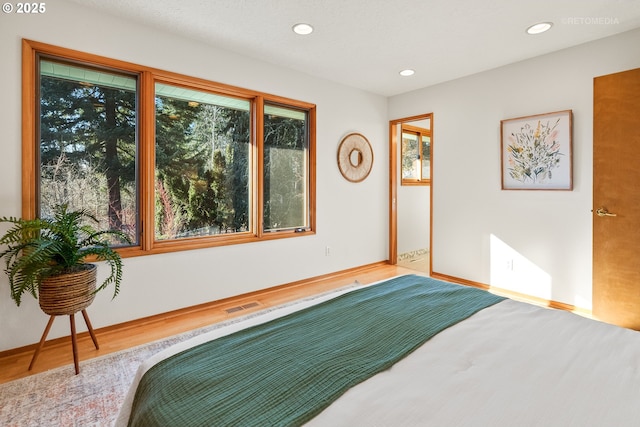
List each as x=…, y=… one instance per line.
x=87, y=150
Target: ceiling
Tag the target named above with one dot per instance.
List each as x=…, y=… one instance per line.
x=365, y=43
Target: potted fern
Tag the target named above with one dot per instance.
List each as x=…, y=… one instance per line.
x=47, y=257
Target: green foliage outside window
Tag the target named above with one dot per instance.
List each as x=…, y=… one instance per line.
x=285, y=169
x=89, y=156
x=202, y=168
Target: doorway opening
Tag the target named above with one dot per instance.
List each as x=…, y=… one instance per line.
x=410, y=192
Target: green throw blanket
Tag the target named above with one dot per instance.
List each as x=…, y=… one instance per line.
x=286, y=371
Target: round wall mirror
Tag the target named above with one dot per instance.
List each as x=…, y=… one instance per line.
x=355, y=157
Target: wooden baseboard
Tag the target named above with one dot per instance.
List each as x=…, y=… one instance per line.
x=515, y=295
x=459, y=280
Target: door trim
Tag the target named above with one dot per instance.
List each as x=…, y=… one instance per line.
x=393, y=188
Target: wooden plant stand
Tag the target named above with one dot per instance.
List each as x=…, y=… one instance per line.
x=74, y=342
x=66, y=294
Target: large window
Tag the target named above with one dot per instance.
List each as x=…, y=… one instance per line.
x=175, y=162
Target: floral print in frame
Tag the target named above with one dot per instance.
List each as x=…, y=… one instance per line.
x=536, y=152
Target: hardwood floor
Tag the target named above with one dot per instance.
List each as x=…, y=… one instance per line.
x=57, y=352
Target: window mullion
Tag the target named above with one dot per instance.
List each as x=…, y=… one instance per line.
x=146, y=149
x=257, y=181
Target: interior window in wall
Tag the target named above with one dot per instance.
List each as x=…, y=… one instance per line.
x=175, y=162
x=416, y=155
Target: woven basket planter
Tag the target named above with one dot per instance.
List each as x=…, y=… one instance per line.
x=68, y=293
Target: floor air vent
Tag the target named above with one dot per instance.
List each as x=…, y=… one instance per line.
x=242, y=307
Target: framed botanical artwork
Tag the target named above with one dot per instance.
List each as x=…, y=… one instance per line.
x=536, y=152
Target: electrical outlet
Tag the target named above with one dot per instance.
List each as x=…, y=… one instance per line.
x=509, y=265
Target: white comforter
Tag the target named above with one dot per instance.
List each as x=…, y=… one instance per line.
x=512, y=364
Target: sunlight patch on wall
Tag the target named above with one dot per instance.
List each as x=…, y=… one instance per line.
x=510, y=270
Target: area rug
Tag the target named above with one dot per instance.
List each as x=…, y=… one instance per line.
x=415, y=260
x=58, y=398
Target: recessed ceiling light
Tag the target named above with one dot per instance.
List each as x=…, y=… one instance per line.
x=540, y=27
x=302, y=29
x=408, y=72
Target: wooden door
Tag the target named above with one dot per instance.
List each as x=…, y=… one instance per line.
x=616, y=198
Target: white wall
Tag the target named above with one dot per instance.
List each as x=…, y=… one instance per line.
x=351, y=218
x=478, y=230
x=413, y=218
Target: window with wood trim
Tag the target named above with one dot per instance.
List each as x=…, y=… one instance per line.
x=285, y=165
x=416, y=155
x=175, y=162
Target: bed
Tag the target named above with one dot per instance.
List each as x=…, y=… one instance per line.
x=409, y=351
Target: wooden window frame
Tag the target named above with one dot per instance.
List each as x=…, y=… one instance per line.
x=421, y=132
x=32, y=51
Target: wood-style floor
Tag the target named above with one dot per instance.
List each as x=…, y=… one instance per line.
x=14, y=363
